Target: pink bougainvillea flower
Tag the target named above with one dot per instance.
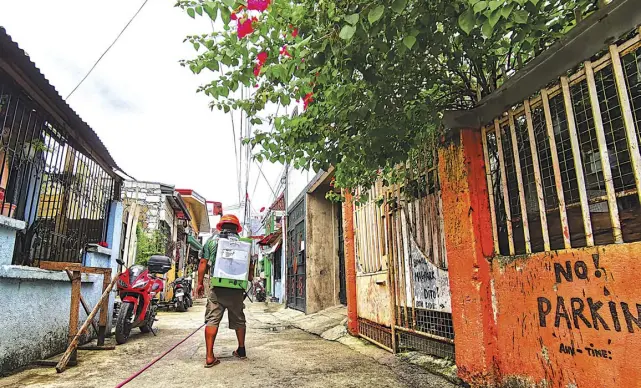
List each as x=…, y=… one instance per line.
x=309, y=97
x=246, y=27
x=257, y=70
x=234, y=16
x=262, y=58
x=256, y=86
x=283, y=51
x=295, y=32
x=258, y=5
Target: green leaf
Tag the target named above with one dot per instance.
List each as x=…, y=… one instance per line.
x=494, y=18
x=520, y=16
x=534, y=2
x=507, y=10
x=199, y=10
x=352, y=19
x=494, y=4
x=375, y=13
x=211, y=10
x=225, y=14
x=229, y=3
x=467, y=21
x=347, y=32
x=480, y=6
x=487, y=28
x=213, y=65
x=191, y=12
x=409, y=41
x=285, y=100
x=399, y=5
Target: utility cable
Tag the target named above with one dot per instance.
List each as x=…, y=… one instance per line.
x=107, y=50
x=236, y=160
x=261, y=163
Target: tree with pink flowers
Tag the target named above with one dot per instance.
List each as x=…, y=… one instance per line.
x=374, y=77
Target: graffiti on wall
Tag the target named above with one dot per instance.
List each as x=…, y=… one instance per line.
x=431, y=284
x=597, y=312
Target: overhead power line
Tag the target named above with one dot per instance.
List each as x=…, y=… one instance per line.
x=107, y=50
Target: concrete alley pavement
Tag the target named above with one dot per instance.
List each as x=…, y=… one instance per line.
x=279, y=356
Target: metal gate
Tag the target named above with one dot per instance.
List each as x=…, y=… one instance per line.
x=423, y=313
x=342, y=293
x=296, y=279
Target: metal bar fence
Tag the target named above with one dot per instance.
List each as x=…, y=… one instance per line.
x=564, y=168
x=388, y=224
x=49, y=182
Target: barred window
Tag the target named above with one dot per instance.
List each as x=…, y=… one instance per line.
x=563, y=168
x=48, y=181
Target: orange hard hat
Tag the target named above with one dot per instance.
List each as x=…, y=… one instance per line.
x=229, y=219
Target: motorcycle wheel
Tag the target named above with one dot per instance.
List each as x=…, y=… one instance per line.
x=180, y=306
x=123, y=323
x=152, y=318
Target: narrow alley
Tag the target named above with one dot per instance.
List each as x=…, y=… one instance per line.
x=279, y=356
x=396, y=193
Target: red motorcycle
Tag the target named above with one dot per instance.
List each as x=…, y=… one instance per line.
x=137, y=287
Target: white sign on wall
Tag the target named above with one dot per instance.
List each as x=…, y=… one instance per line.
x=431, y=284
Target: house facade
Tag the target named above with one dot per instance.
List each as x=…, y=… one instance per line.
x=60, y=207
x=271, y=253
x=314, y=249
x=158, y=211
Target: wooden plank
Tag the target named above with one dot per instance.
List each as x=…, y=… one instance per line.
x=94, y=347
x=84, y=304
x=519, y=182
x=628, y=118
x=60, y=266
x=395, y=257
x=74, y=309
x=558, y=183
x=67, y=355
x=410, y=239
x=96, y=270
x=537, y=176
x=578, y=163
x=506, y=194
x=403, y=259
x=603, y=152
x=104, y=310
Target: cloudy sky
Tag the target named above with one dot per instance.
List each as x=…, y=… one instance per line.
x=139, y=100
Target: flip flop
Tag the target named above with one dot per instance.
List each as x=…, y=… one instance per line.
x=214, y=363
x=235, y=353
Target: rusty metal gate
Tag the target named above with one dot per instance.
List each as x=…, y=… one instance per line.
x=420, y=289
x=296, y=271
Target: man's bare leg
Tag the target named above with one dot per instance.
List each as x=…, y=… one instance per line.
x=210, y=337
x=240, y=335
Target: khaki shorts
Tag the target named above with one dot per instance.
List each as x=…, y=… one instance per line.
x=221, y=299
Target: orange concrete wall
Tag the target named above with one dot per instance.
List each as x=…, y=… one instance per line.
x=468, y=242
x=570, y=317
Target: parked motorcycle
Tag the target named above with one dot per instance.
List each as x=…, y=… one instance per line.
x=137, y=287
x=182, y=294
x=261, y=296
x=259, y=291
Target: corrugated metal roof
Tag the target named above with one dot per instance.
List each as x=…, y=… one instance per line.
x=77, y=127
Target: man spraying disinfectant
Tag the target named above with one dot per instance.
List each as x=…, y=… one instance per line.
x=228, y=258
